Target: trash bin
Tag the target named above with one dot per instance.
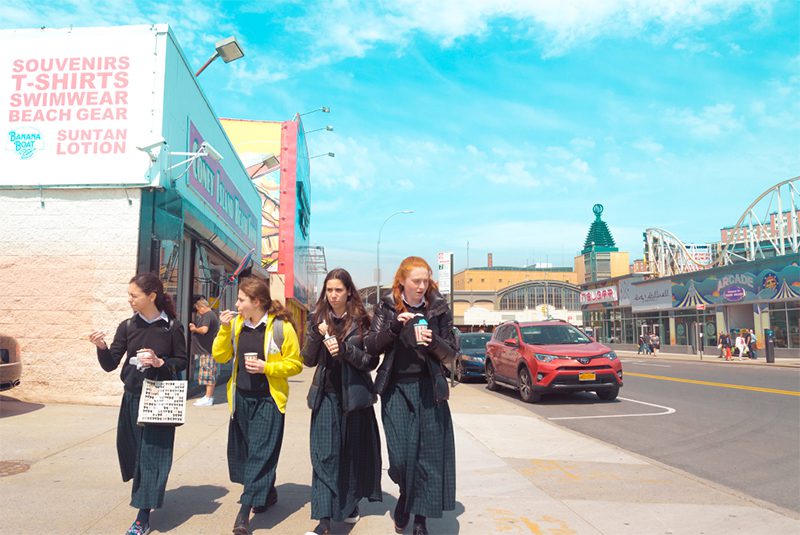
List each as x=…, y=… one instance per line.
x=769, y=345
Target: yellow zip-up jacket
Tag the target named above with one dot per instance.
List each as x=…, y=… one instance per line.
x=278, y=367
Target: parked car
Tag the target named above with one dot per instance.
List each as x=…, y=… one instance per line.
x=543, y=357
x=10, y=367
x=471, y=355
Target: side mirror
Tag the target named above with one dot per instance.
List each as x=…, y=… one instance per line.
x=510, y=342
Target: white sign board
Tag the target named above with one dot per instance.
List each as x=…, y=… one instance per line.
x=599, y=295
x=75, y=103
x=655, y=295
x=445, y=269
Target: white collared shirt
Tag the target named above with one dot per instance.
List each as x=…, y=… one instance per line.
x=262, y=320
x=162, y=316
x=421, y=303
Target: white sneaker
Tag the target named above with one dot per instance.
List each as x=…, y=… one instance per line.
x=204, y=402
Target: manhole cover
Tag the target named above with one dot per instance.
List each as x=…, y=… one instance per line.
x=9, y=468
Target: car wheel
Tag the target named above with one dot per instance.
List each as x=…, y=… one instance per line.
x=609, y=394
x=491, y=382
x=526, y=387
x=459, y=372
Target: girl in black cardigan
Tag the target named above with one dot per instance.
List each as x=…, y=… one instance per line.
x=345, y=444
x=145, y=452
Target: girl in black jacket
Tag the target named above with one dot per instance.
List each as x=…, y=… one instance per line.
x=345, y=444
x=413, y=328
x=145, y=452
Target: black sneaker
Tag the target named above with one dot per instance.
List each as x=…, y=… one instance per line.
x=272, y=499
x=400, y=517
x=241, y=526
x=323, y=528
x=353, y=517
x=419, y=526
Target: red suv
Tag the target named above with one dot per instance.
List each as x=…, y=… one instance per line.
x=542, y=357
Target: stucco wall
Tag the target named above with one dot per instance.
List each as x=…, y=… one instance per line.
x=64, y=269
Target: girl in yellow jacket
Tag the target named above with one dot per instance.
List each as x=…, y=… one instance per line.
x=257, y=391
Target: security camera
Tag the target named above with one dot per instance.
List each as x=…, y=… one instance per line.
x=210, y=151
x=153, y=148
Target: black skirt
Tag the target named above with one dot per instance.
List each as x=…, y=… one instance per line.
x=345, y=457
x=255, y=434
x=145, y=455
x=421, y=444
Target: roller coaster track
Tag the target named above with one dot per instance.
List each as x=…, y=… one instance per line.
x=768, y=227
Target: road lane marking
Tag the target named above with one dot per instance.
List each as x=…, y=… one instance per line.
x=667, y=410
x=720, y=385
x=640, y=363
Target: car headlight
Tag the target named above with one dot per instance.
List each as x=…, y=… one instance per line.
x=547, y=358
x=471, y=358
x=611, y=355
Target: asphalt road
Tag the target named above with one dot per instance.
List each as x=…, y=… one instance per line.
x=743, y=433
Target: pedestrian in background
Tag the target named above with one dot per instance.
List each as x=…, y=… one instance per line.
x=741, y=348
x=258, y=389
x=753, y=344
x=725, y=342
x=204, y=330
x=345, y=443
x=642, y=345
x=413, y=328
x=151, y=344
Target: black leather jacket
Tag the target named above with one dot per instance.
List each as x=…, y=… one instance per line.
x=358, y=390
x=386, y=333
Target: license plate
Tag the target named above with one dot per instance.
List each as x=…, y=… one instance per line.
x=587, y=376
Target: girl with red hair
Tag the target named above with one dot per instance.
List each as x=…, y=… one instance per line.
x=413, y=328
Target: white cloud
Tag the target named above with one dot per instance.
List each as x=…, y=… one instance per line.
x=196, y=24
x=582, y=144
x=648, y=146
x=352, y=28
x=710, y=122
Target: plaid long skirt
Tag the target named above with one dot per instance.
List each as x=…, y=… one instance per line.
x=145, y=455
x=421, y=444
x=345, y=457
x=255, y=434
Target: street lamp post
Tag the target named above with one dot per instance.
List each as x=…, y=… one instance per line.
x=227, y=49
x=378, y=265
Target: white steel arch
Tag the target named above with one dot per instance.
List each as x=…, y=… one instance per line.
x=768, y=227
x=665, y=254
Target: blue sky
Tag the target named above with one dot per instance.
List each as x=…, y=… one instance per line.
x=501, y=123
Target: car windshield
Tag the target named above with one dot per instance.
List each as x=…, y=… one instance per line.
x=474, y=341
x=553, y=334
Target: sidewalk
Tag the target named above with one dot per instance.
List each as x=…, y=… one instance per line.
x=712, y=358
x=517, y=473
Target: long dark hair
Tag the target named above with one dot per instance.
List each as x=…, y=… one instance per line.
x=406, y=266
x=255, y=288
x=356, y=313
x=150, y=283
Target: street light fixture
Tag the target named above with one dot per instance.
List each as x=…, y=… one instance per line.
x=378, y=265
x=323, y=109
x=270, y=162
x=228, y=49
x=328, y=128
x=329, y=154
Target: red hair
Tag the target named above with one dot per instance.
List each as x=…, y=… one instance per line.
x=406, y=266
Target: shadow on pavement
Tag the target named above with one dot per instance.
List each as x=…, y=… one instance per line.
x=447, y=524
x=576, y=398
x=185, y=502
x=14, y=407
x=291, y=498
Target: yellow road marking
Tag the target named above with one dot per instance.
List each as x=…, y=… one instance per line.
x=721, y=385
